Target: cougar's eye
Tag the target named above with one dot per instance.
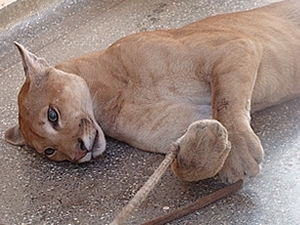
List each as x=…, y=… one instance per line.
x=49, y=151
x=52, y=115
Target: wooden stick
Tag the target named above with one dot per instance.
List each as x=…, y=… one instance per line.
x=141, y=195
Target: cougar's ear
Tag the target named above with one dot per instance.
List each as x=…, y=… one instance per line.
x=13, y=136
x=34, y=67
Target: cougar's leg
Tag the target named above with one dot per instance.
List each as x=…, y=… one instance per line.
x=232, y=83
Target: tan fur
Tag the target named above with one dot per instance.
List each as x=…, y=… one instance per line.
x=148, y=88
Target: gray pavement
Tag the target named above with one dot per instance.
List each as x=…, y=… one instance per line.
x=35, y=190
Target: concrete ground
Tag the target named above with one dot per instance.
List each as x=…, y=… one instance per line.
x=35, y=190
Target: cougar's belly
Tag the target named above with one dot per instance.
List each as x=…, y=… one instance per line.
x=152, y=122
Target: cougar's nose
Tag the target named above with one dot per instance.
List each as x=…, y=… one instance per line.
x=88, y=135
x=82, y=145
x=87, y=141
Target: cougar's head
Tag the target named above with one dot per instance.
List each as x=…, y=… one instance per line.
x=55, y=114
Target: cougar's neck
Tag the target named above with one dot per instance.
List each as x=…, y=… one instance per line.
x=105, y=77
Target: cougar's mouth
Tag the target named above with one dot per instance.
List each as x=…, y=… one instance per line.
x=97, y=148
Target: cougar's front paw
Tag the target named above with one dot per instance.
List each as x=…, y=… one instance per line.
x=244, y=159
x=202, y=150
